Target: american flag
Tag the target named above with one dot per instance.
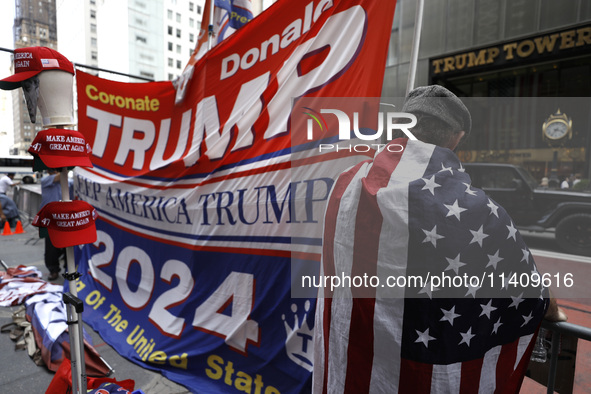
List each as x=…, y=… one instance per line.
x=229, y=16
x=47, y=314
x=415, y=213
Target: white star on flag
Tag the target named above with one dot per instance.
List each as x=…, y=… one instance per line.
x=428, y=289
x=450, y=315
x=472, y=291
x=516, y=301
x=454, y=210
x=430, y=184
x=506, y=280
x=493, y=208
x=468, y=188
x=432, y=236
x=496, y=326
x=454, y=264
x=478, y=236
x=444, y=168
x=512, y=232
x=467, y=337
x=527, y=318
x=487, y=309
x=525, y=256
x=424, y=337
x=493, y=260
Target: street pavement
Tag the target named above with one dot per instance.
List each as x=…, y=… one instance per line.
x=18, y=373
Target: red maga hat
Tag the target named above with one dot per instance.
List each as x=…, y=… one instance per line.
x=58, y=148
x=30, y=61
x=68, y=223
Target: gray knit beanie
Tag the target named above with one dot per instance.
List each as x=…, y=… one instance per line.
x=437, y=101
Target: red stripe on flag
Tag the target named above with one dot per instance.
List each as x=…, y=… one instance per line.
x=470, y=378
x=328, y=254
x=505, y=365
x=368, y=226
x=419, y=374
x=513, y=384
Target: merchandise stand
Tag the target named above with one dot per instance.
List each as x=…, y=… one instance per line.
x=47, y=82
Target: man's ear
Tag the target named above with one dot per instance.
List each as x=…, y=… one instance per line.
x=31, y=90
x=455, y=140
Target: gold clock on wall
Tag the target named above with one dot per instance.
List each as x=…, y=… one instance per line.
x=557, y=128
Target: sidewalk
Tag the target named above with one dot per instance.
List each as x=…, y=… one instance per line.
x=19, y=374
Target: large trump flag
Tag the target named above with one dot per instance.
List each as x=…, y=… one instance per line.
x=205, y=204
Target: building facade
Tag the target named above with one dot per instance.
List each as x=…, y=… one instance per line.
x=152, y=39
x=34, y=25
x=531, y=59
x=77, y=34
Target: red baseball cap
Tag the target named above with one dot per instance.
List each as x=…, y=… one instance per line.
x=68, y=223
x=58, y=148
x=30, y=61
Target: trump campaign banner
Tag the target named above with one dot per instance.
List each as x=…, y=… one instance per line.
x=205, y=203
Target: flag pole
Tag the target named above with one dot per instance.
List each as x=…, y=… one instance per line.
x=210, y=28
x=416, y=39
x=73, y=305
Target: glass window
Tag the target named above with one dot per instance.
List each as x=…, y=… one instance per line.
x=488, y=19
x=178, y=33
x=498, y=178
x=433, y=33
x=170, y=46
x=169, y=14
x=178, y=49
x=178, y=17
x=460, y=21
x=178, y=64
x=558, y=13
x=191, y=37
x=191, y=22
x=191, y=6
x=520, y=17
x=170, y=62
x=170, y=30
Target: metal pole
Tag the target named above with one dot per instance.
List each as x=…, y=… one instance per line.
x=416, y=40
x=210, y=28
x=77, y=65
x=76, y=340
x=553, y=362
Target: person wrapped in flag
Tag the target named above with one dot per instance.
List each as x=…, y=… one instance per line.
x=446, y=315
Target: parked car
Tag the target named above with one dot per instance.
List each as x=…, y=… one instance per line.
x=537, y=208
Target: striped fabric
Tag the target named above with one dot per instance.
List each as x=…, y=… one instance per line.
x=415, y=214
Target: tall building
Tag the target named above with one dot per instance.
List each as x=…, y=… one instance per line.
x=152, y=39
x=505, y=48
x=77, y=32
x=34, y=25
x=181, y=25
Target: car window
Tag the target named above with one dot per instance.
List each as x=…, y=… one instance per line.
x=498, y=178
